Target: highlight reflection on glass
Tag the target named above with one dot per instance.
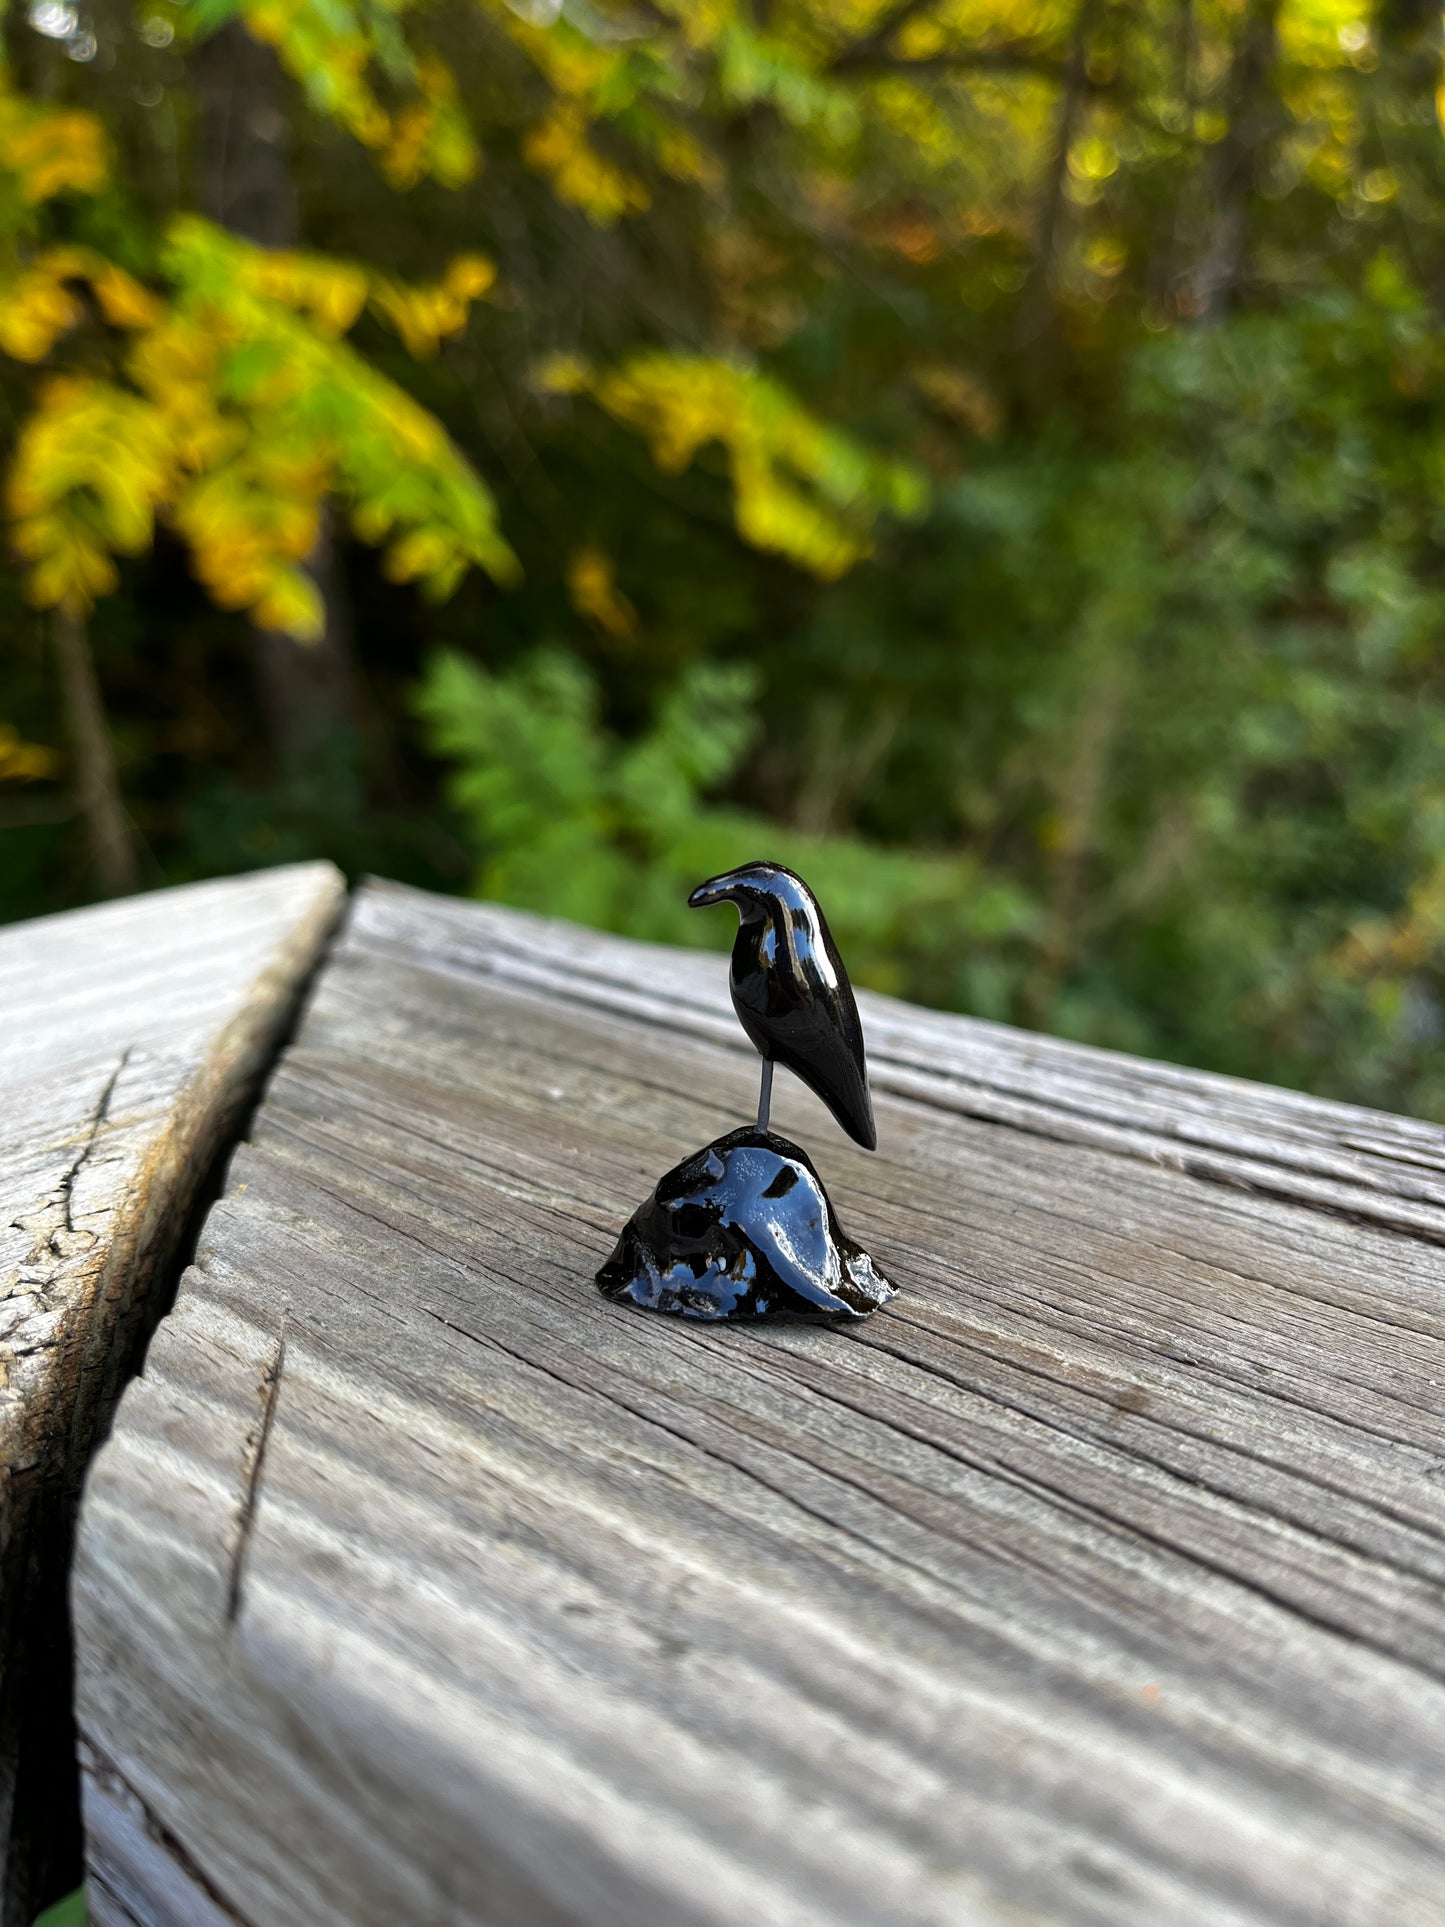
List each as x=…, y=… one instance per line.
x=791, y=992
x=744, y=1229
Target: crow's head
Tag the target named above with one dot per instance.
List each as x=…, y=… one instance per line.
x=758, y=889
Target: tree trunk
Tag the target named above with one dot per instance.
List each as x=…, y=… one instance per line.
x=1036, y=306
x=1172, y=260
x=1221, y=268
x=1410, y=48
x=109, y=843
x=308, y=690
x=1081, y=790
x=246, y=183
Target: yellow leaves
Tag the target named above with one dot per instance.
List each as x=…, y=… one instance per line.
x=424, y=316
x=704, y=22
x=907, y=110
x=124, y=302
x=418, y=555
x=247, y=530
x=679, y=155
x=469, y=277
x=37, y=306
x=332, y=293
x=331, y=46
x=559, y=148
x=92, y=464
x=593, y=591
x=90, y=435
x=236, y=410
x=48, y=150
x=22, y=762
x=36, y=309
x=290, y=603
x=678, y=402
x=318, y=421
x=574, y=64
x=564, y=375
x=421, y=316
x=1106, y=255
x=961, y=396
x=429, y=135
x=1093, y=159
x=623, y=80
x=1326, y=33
x=175, y=363
x=1403, y=944
x=216, y=266
x=223, y=270
x=802, y=489
x=244, y=413
x=360, y=69
x=772, y=514
x=922, y=39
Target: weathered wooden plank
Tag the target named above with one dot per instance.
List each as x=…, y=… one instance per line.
x=1101, y=1578
x=1283, y=1143
x=131, y=1037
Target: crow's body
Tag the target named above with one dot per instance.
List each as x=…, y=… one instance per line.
x=791, y=992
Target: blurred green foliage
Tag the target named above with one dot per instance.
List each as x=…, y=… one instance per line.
x=988, y=454
x=575, y=822
x=70, y=1912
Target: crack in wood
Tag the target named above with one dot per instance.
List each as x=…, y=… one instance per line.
x=1150, y=1417
x=121, y=1789
x=1230, y=1380
x=97, y=1122
x=1109, y=1547
x=257, y=1441
x=750, y=1473
x=136, y=1031
x=1007, y=1475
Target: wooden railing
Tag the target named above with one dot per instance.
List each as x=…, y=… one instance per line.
x=1098, y=1578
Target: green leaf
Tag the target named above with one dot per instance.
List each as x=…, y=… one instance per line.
x=70, y=1912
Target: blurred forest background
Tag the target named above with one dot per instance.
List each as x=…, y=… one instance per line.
x=988, y=453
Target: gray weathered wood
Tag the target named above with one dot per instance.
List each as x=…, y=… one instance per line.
x=1099, y=1579
x=131, y=1036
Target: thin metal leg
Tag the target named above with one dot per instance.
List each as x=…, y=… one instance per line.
x=765, y=1094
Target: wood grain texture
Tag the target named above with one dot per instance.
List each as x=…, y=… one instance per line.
x=1098, y=1579
x=131, y=1037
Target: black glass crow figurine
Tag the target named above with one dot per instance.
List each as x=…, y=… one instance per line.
x=743, y=1228
x=792, y=994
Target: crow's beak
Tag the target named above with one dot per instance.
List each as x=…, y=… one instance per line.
x=716, y=890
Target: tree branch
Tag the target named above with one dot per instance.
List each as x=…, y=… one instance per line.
x=983, y=60
x=97, y=787
x=1036, y=305
x=1220, y=271
x=874, y=45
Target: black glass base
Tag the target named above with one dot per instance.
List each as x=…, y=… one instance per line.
x=743, y=1229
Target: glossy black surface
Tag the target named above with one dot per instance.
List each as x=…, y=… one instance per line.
x=743, y=1229
x=790, y=990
